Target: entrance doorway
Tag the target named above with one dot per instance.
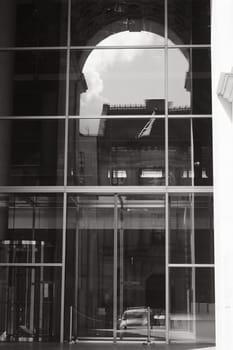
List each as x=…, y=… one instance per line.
x=119, y=267
x=135, y=269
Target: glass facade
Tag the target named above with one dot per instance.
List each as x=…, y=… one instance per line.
x=106, y=204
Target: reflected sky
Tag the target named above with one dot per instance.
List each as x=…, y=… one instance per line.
x=130, y=76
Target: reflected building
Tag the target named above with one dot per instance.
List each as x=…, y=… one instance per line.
x=106, y=171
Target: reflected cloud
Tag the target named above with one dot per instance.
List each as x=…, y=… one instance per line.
x=100, y=61
x=130, y=76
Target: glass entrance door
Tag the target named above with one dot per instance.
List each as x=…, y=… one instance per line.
x=116, y=259
x=90, y=253
x=141, y=267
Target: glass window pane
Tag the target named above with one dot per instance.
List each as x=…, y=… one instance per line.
x=181, y=235
x=131, y=81
x=32, y=83
x=189, y=21
x=179, y=152
x=32, y=152
x=203, y=160
x=30, y=304
x=191, y=234
x=179, y=83
x=89, y=275
x=94, y=20
x=189, y=81
x=31, y=228
x=33, y=23
x=204, y=230
x=123, y=152
x=192, y=305
x=141, y=266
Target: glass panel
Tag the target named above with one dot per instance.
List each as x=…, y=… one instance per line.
x=31, y=228
x=179, y=81
x=30, y=303
x=203, y=161
x=33, y=23
x=32, y=152
x=192, y=306
x=32, y=83
x=141, y=271
x=204, y=230
x=93, y=21
x=89, y=277
x=189, y=21
x=191, y=237
x=189, y=81
x=179, y=152
x=181, y=231
x=115, y=152
x=117, y=82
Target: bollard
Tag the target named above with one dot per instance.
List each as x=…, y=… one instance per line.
x=148, y=326
x=71, y=325
x=148, y=342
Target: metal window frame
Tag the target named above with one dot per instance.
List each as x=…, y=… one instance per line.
x=113, y=190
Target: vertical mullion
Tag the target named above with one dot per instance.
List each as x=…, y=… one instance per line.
x=67, y=93
x=167, y=311
x=115, y=269
x=166, y=178
x=63, y=267
x=166, y=95
x=193, y=268
x=65, y=176
x=192, y=151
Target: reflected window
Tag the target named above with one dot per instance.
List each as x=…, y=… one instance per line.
x=115, y=151
x=117, y=177
x=179, y=152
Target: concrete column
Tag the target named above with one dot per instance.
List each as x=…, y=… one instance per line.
x=222, y=61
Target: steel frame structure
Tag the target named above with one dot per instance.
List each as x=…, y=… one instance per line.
x=65, y=189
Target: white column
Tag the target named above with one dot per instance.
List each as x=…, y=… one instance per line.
x=222, y=61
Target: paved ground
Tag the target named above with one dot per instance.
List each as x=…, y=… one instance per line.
x=101, y=346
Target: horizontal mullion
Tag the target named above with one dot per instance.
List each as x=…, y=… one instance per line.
x=201, y=46
x=113, y=47
x=14, y=117
x=161, y=116
x=193, y=116
x=131, y=116
x=191, y=265
x=32, y=48
x=32, y=189
x=170, y=116
x=106, y=189
x=31, y=264
x=191, y=189
x=146, y=47
x=136, y=189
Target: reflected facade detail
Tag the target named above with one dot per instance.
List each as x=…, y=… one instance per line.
x=106, y=204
